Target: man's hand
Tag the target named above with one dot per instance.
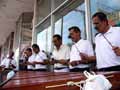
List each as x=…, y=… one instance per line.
x=30, y=63
x=116, y=50
x=53, y=61
x=64, y=62
x=74, y=63
x=84, y=56
x=12, y=66
x=46, y=62
x=2, y=68
x=42, y=63
x=87, y=59
x=35, y=62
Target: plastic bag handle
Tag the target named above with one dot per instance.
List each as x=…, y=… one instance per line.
x=87, y=74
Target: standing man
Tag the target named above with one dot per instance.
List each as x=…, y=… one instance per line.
x=39, y=58
x=61, y=55
x=29, y=59
x=80, y=49
x=107, y=44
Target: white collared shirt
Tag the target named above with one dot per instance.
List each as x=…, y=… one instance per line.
x=104, y=53
x=62, y=53
x=83, y=46
x=40, y=57
x=31, y=60
x=6, y=62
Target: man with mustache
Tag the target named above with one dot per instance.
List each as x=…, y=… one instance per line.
x=107, y=43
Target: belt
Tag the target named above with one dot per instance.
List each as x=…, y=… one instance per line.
x=30, y=70
x=113, y=68
x=59, y=68
x=37, y=69
x=79, y=69
x=40, y=70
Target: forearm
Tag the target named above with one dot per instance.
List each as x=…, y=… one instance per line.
x=116, y=50
x=62, y=61
x=2, y=66
x=76, y=62
x=29, y=63
x=91, y=59
x=13, y=66
x=42, y=63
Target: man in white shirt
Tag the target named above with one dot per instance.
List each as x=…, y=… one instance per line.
x=9, y=62
x=107, y=44
x=80, y=49
x=61, y=55
x=29, y=59
x=39, y=58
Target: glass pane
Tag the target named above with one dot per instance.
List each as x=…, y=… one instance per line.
x=44, y=35
x=58, y=27
x=74, y=18
x=41, y=39
x=49, y=39
x=110, y=7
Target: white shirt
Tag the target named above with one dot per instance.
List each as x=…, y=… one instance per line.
x=104, y=53
x=83, y=46
x=62, y=53
x=31, y=60
x=40, y=57
x=6, y=62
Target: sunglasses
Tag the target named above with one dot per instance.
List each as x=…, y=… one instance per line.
x=69, y=36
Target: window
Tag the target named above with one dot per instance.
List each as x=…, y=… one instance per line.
x=109, y=7
x=41, y=39
x=49, y=39
x=72, y=13
x=74, y=18
x=44, y=35
x=58, y=27
x=44, y=39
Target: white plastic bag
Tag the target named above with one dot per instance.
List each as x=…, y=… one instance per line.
x=10, y=75
x=96, y=82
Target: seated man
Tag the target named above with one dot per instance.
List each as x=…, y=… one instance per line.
x=9, y=62
x=61, y=55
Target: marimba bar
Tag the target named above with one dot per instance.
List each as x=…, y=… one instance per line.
x=32, y=80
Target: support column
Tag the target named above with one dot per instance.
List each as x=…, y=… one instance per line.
x=88, y=20
x=34, y=32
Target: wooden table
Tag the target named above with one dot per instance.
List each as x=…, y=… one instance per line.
x=32, y=80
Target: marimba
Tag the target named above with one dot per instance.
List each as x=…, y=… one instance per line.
x=32, y=80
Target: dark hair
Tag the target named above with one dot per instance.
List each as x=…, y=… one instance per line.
x=35, y=46
x=29, y=49
x=11, y=52
x=100, y=15
x=58, y=36
x=75, y=28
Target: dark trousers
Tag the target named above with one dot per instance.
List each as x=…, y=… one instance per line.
x=113, y=68
x=79, y=69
